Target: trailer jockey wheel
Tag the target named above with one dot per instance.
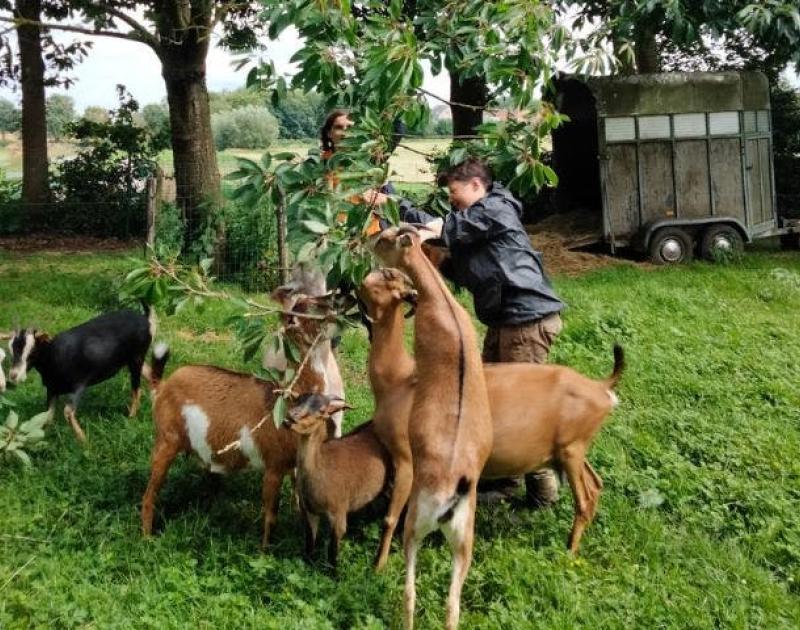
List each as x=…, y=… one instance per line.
x=670, y=246
x=721, y=241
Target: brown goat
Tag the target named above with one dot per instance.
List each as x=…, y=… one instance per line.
x=334, y=476
x=543, y=415
x=392, y=376
x=203, y=409
x=450, y=426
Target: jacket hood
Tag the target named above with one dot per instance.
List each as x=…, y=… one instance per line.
x=502, y=194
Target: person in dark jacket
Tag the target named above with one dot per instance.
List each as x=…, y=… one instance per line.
x=490, y=254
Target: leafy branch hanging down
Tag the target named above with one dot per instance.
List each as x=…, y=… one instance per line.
x=371, y=61
x=172, y=287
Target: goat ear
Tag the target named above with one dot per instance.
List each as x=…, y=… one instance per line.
x=336, y=404
x=405, y=240
x=282, y=293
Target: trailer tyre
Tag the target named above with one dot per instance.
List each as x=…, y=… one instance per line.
x=670, y=246
x=721, y=242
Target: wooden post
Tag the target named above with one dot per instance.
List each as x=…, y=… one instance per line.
x=152, y=211
x=283, y=250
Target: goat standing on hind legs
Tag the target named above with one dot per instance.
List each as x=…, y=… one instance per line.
x=392, y=376
x=542, y=415
x=450, y=426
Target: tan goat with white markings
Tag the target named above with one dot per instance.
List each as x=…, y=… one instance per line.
x=450, y=426
x=203, y=409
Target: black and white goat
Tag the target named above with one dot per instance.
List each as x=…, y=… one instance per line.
x=83, y=356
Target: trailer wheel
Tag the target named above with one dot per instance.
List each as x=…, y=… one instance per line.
x=670, y=246
x=721, y=241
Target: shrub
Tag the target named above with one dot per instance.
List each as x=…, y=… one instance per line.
x=249, y=127
x=170, y=228
x=102, y=189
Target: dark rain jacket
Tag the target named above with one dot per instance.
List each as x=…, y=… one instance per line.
x=491, y=256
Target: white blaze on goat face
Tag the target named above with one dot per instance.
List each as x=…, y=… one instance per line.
x=197, y=429
x=21, y=346
x=250, y=449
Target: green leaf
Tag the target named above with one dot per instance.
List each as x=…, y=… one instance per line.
x=12, y=420
x=36, y=423
x=22, y=456
x=279, y=411
x=316, y=227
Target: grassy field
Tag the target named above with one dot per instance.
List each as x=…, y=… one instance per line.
x=406, y=165
x=697, y=527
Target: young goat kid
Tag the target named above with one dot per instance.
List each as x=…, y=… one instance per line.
x=543, y=415
x=83, y=356
x=203, y=409
x=334, y=476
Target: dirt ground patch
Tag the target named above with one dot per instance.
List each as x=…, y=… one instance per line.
x=560, y=261
x=64, y=244
x=558, y=235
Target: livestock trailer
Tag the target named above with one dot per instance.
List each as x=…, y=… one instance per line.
x=668, y=163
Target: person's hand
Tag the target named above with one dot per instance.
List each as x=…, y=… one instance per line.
x=374, y=198
x=432, y=229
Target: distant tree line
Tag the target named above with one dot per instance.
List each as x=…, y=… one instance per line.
x=241, y=118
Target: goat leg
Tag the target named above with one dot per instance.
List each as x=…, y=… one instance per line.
x=403, y=479
x=585, y=502
x=411, y=542
x=460, y=533
x=135, y=369
x=270, y=493
x=164, y=454
x=338, y=529
x=69, y=415
x=136, y=396
x=311, y=525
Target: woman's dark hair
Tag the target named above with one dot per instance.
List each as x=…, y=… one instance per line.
x=469, y=168
x=325, y=132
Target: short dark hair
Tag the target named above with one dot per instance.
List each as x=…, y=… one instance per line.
x=325, y=132
x=466, y=170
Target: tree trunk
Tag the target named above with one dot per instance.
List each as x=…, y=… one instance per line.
x=647, y=58
x=194, y=157
x=35, y=188
x=473, y=92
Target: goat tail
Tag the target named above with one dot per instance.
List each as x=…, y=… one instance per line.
x=461, y=491
x=619, y=367
x=155, y=371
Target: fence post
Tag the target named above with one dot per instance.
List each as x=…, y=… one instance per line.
x=152, y=209
x=283, y=250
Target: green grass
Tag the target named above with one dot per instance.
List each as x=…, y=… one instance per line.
x=405, y=164
x=697, y=526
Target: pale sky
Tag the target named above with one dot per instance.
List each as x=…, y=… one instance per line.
x=112, y=61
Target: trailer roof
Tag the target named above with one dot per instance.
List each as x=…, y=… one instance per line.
x=679, y=92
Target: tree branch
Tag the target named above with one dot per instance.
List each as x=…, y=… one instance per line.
x=147, y=36
x=439, y=98
x=74, y=29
